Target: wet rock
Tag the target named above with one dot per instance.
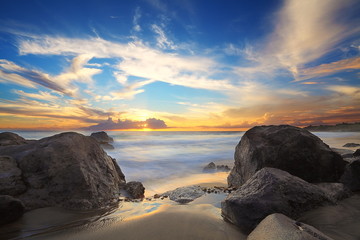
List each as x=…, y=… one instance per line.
x=135, y=189
x=280, y=227
x=185, y=194
x=352, y=145
x=9, y=138
x=223, y=168
x=271, y=191
x=289, y=148
x=68, y=170
x=336, y=191
x=10, y=209
x=351, y=176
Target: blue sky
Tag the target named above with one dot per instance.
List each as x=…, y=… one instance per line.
x=177, y=64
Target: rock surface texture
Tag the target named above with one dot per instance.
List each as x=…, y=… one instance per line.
x=135, y=189
x=289, y=148
x=185, y=194
x=9, y=138
x=11, y=182
x=10, y=209
x=104, y=140
x=280, y=227
x=351, y=176
x=68, y=170
x=271, y=191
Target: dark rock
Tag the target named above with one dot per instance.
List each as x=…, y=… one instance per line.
x=351, y=176
x=10, y=177
x=356, y=153
x=185, y=194
x=9, y=138
x=336, y=191
x=271, y=191
x=345, y=153
x=351, y=145
x=223, y=168
x=211, y=167
x=289, y=148
x=279, y=227
x=102, y=137
x=68, y=170
x=135, y=189
x=10, y=209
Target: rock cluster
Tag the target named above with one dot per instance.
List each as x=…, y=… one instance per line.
x=285, y=170
x=67, y=170
x=212, y=167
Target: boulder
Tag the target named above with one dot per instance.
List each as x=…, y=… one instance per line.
x=336, y=191
x=67, y=170
x=135, y=189
x=211, y=167
x=9, y=138
x=345, y=153
x=185, y=194
x=11, y=182
x=289, y=148
x=351, y=176
x=10, y=209
x=351, y=145
x=271, y=191
x=279, y=227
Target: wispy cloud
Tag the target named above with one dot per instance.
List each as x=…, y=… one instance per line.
x=136, y=18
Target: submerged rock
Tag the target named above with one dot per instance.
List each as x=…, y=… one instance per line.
x=68, y=170
x=279, y=227
x=135, y=189
x=211, y=167
x=185, y=194
x=289, y=148
x=10, y=177
x=10, y=209
x=271, y=191
x=351, y=176
x=351, y=145
x=9, y=138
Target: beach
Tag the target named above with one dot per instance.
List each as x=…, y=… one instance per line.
x=163, y=161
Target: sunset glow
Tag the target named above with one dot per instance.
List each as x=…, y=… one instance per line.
x=178, y=65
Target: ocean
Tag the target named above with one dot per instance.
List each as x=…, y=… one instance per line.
x=163, y=161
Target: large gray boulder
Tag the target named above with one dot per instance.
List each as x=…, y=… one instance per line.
x=279, y=227
x=10, y=209
x=68, y=170
x=11, y=182
x=9, y=138
x=271, y=191
x=289, y=148
x=351, y=176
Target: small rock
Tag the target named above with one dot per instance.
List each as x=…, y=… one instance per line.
x=10, y=209
x=211, y=167
x=351, y=145
x=223, y=168
x=279, y=227
x=157, y=196
x=185, y=194
x=135, y=189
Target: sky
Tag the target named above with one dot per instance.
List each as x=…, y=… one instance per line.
x=179, y=64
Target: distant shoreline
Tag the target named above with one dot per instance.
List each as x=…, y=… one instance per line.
x=342, y=127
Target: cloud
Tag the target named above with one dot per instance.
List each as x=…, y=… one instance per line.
x=162, y=41
x=12, y=73
x=151, y=123
x=136, y=59
x=47, y=96
x=136, y=18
